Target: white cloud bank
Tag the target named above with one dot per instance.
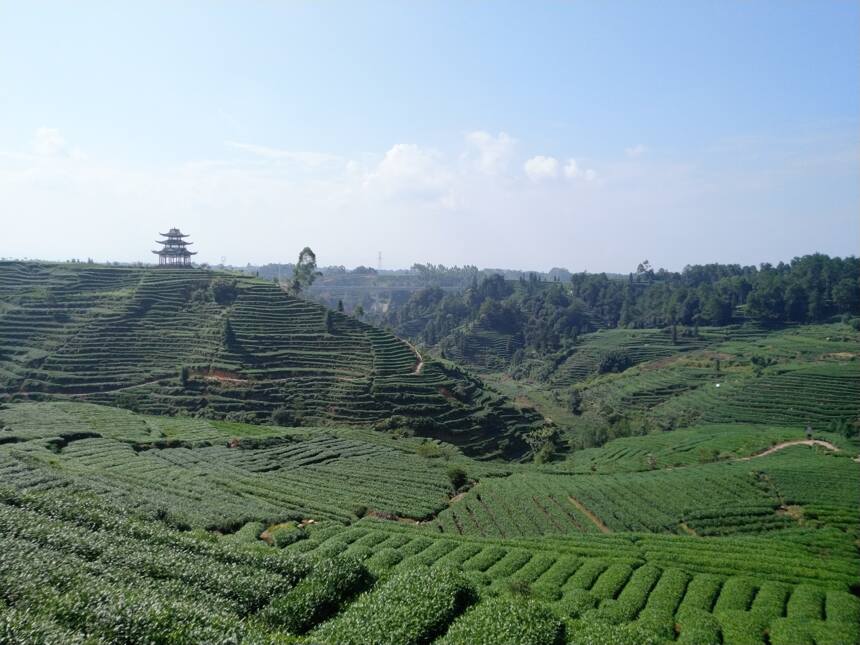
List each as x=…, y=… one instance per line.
x=540, y=168
x=490, y=154
x=481, y=202
x=48, y=142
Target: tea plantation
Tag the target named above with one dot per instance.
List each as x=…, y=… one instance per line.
x=228, y=346
x=189, y=456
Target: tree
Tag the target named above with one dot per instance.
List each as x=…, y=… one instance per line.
x=358, y=312
x=340, y=306
x=305, y=271
x=457, y=476
x=228, y=336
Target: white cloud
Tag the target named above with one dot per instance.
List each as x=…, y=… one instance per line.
x=572, y=170
x=635, y=151
x=49, y=142
x=540, y=167
x=310, y=159
x=490, y=154
x=411, y=172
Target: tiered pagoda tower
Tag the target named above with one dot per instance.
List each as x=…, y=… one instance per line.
x=173, y=251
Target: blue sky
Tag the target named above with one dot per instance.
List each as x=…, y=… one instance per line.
x=586, y=135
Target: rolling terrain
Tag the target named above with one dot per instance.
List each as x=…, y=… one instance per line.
x=190, y=456
x=231, y=347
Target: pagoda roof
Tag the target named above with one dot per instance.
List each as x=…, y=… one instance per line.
x=174, y=251
x=174, y=232
x=174, y=242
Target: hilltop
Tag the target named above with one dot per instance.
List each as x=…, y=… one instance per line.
x=220, y=345
x=684, y=500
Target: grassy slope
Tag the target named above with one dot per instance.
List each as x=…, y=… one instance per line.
x=702, y=547
x=69, y=559
x=119, y=335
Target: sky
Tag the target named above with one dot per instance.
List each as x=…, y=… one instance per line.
x=588, y=135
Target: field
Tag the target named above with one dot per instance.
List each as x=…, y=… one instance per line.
x=231, y=347
x=295, y=478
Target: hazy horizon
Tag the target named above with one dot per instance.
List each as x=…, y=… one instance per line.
x=583, y=136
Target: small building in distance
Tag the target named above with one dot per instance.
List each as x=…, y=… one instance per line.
x=174, y=251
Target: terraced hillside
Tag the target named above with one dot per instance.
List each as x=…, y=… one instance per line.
x=725, y=498
x=213, y=474
x=795, y=376
x=483, y=348
x=225, y=346
x=80, y=571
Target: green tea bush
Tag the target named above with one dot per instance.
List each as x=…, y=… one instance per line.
x=807, y=602
x=610, y=583
x=596, y=633
x=383, y=560
x=742, y=627
x=318, y=596
x=287, y=534
x=576, y=602
x=505, y=621
x=698, y=628
x=842, y=607
x=791, y=631
x=827, y=633
x=631, y=600
x=412, y=607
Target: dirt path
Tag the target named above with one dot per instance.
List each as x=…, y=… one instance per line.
x=596, y=520
x=420, y=365
x=788, y=444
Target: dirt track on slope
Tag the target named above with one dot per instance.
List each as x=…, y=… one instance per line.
x=789, y=444
x=596, y=520
x=420, y=365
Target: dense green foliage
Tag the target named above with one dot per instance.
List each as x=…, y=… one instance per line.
x=195, y=472
x=214, y=345
x=411, y=607
x=491, y=323
x=678, y=497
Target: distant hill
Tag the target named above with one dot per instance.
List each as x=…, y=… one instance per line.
x=499, y=324
x=221, y=345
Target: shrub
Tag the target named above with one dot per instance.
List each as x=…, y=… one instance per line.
x=698, y=628
x=614, y=361
x=411, y=607
x=742, y=627
x=283, y=417
x=576, y=603
x=457, y=477
x=224, y=291
x=790, y=631
x=506, y=621
x=318, y=596
x=384, y=560
x=596, y=633
x=286, y=534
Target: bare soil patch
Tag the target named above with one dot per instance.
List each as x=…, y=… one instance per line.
x=788, y=444
x=596, y=520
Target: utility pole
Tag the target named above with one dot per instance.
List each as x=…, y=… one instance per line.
x=379, y=262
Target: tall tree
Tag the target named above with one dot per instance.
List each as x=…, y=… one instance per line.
x=305, y=271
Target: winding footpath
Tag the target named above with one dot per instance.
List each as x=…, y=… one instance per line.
x=789, y=444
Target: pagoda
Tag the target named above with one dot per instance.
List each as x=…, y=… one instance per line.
x=174, y=251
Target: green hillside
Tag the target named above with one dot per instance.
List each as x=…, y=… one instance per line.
x=120, y=527
x=189, y=457
x=225, y=346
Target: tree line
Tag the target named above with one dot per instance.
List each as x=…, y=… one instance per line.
x=548, y=315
